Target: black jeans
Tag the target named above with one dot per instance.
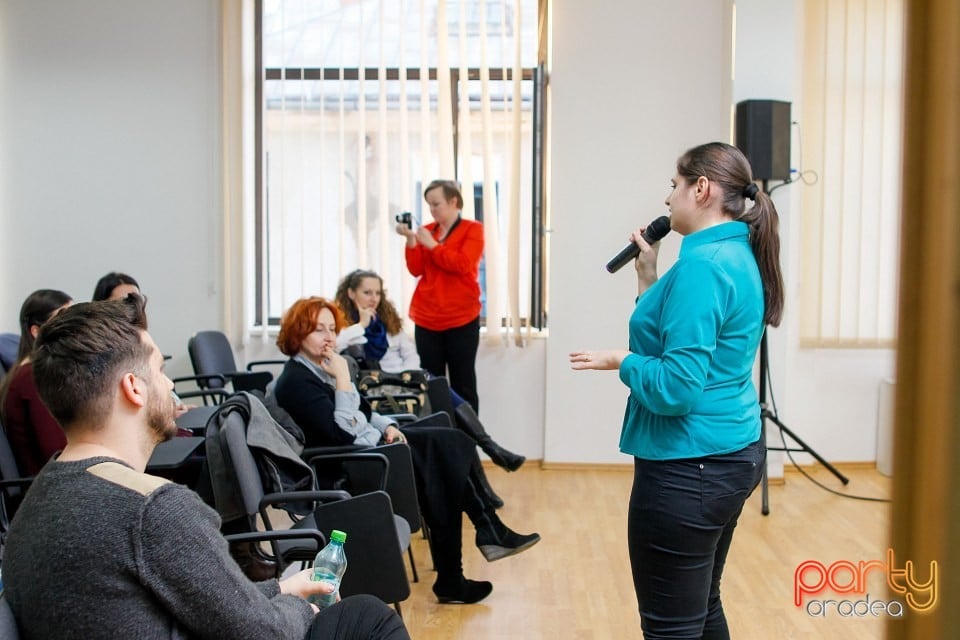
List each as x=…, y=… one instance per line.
x=454, y=350
x=681, y=521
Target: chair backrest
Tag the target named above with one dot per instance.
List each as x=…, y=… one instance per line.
x=248, y=483
x=8, y=624
x=374, y=558
x=10, y=496
x=9, y=345
x=210, y=352
x=401, y=483
x=9, y=470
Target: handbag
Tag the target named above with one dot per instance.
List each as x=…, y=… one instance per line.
x=392, y=393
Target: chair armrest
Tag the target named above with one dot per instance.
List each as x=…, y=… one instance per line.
x=271, y=499
x=216, y=396
x=16, y=482
x=357, y=456
x=211, y=393
x=310, y=452
x=250, y=380
x=402, y=418
x=203, y=379
x=279, y=534
x=276, y=535
x=264, y=363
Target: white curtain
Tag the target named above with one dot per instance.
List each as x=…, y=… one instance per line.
x=237, y=90
x=851, y=137
x=344, y=154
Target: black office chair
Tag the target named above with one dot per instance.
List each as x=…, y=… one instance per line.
x=8, y=624
x=12, y=486
x=211, y=353
x=9, y=345
x=374, y=532
x=360, y=477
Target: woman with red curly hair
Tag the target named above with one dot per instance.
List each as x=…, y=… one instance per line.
x=317, y=390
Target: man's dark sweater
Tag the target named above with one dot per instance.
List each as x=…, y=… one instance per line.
x=98, y=550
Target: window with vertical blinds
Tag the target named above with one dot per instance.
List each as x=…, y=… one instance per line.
x=364, y=102
x=851, y=137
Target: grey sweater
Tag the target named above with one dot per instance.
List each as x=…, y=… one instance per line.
x=98, y=550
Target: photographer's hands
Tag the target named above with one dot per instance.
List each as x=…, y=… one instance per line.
x=421, y=236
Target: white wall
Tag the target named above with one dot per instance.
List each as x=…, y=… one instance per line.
x=622, y=112
x=110, y=155
x=828, y=397
x=110, y=160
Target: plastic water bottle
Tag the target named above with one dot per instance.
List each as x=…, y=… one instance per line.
x=329, y=566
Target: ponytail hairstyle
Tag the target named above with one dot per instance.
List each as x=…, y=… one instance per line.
x=726, y=166
x=386, y=312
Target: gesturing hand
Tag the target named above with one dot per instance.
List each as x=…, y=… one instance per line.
x=600, y=360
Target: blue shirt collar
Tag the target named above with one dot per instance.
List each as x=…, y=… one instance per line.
x=314, y=368
x=731, y=230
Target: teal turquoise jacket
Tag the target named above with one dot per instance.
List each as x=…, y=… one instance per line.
x=694, y=336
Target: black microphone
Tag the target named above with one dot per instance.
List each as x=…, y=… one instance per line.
x=654, y=231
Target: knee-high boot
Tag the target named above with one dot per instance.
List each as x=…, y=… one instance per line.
x=451, y=587
x=483, y=484
x=494, y=539
x=468, y=422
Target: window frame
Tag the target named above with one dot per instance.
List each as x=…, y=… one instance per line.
x=537, y=75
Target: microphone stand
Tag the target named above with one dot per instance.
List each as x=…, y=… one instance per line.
x=767, y=414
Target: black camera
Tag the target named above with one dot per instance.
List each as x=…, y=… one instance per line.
x=405, y=218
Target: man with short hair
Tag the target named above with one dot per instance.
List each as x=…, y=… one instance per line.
x=99, y=549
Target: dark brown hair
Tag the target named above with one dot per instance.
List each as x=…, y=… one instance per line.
x=726, y=166
x=451, y=191
x=34, y=312
x=300, y=320
x=111, y=281
x=82, y=354
x=386, y=312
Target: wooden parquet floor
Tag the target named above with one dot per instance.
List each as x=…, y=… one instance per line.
x=576, y=584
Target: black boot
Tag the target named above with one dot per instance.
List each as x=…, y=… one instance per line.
x=469, y=423
x=451, y=587
x=483, y=485
x=494, y=539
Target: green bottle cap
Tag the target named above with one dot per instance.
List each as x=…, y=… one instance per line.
x=338, y=536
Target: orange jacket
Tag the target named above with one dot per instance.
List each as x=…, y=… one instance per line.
x=448, y=292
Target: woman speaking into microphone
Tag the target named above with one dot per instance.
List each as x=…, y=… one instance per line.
x=692, y=421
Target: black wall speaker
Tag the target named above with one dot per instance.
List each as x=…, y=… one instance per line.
x=763, y=134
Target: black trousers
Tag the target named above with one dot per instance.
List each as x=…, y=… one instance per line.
x=445, y=463
x=453, y=350
x=680, y=525
x=358, y=618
